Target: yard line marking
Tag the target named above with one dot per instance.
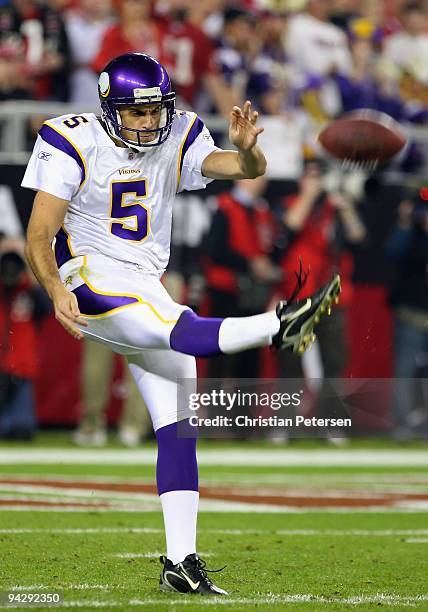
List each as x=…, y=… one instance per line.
x=75, y=492
x=31, y=587
x=148, y=555
x=281, y=599
x=207, y=505
x=89, y=530
x=289, y=532
x=352, y=532
x=96, y=478
x=151, y=555
x=65, y=504
x=88, y=603
x=85, y=504
x=320, y=479
x=111, y=491
x=250, y=457
x=378, y=598
x=88, y=587
x=79, y=587
x=411, y=481
x=37, y=493
x=226, y=507
x=136, y=495
x=21, y=508
x=417, y=540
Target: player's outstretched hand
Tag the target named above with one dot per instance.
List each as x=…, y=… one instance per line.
x=67, y=312
x=243, y=132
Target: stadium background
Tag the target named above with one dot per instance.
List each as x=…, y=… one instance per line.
x=251, y=49
x=301, y=526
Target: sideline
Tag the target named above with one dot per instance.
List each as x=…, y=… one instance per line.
x=236, y=457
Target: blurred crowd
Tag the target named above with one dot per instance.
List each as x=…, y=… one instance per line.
x=301, y=63
x=323, y=56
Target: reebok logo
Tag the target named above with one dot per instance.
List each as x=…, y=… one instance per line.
x=129, y=171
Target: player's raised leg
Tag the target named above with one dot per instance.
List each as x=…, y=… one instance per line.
x=289, y=326
x=140, y=315
x=158, y=375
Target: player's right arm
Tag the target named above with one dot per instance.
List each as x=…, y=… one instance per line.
x=56, y=171
x=46, y=219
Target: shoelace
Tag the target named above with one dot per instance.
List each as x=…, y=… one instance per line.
x=301, y=278
x=201, y=567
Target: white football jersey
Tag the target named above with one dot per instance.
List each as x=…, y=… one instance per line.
x=120, y=201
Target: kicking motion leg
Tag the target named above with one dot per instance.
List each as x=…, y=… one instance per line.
x=141, y=315
x=290, y=326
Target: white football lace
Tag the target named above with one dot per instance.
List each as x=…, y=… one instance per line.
x=367, y=165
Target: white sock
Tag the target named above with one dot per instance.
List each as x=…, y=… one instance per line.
x=240, y=333
x=180, y=513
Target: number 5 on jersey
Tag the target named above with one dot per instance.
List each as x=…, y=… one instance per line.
x=126, y=204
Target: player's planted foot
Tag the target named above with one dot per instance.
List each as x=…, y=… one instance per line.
x=189, y=576
x=298, y=319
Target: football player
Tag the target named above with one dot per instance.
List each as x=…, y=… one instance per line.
x=105, y=189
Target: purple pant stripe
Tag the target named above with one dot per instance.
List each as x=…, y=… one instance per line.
x=196, y=335
x=62, y=250
x=91, y=303
x=177, y=468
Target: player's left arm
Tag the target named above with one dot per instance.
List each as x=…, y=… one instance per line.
x=249, y=160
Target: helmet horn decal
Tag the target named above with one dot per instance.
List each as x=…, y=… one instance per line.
x=104, y=84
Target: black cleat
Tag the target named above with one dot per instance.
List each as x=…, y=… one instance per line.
x=189, y=576
x=298, y=318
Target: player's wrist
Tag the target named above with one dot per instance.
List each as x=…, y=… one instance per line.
x=248, y=151
x=55, y=289
x=252, y=161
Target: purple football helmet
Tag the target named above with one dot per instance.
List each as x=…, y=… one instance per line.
x=131, y=79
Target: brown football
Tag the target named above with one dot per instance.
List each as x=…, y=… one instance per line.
x=363, y=136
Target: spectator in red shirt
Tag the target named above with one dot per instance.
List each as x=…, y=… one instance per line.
x=319, y=229
x=191, y=61
x=22, y=305
x=239, y=272
x=135, y=31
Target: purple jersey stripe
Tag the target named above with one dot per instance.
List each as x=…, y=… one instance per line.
x=194, y=132
x=91, y=303
x=62, y=250
x=60, y=142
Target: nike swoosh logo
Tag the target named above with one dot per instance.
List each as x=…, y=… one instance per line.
x=306, y=306
x=193, y=585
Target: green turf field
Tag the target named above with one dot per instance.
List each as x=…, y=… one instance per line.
x=345, y=530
